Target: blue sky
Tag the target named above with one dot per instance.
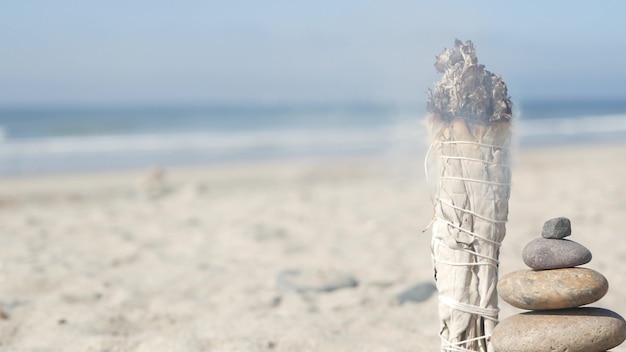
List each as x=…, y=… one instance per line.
x=231, y=51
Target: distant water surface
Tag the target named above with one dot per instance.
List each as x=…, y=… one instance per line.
x=101, y=138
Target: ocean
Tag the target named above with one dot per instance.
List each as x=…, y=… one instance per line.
x=77, y=139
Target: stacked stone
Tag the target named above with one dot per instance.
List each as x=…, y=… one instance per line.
x=554, y=289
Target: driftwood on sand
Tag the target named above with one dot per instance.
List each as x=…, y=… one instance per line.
x=469, y=118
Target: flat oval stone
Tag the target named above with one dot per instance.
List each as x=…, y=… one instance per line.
x=578, y=329
x=542, y=253
x=552, y=289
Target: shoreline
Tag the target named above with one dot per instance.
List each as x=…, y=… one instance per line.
x=401, y=134
x=412, y=151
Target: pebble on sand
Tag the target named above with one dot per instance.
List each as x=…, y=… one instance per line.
x=579, y=329
x=557, y=228
x=543, y=253
x=314, y=280
x=552, y=289
x=417, y=293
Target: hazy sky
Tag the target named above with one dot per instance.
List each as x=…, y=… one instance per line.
x=83, y=52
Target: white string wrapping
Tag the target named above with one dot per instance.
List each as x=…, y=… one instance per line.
x=440, y=243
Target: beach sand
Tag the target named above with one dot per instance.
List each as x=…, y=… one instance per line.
x=188, y=259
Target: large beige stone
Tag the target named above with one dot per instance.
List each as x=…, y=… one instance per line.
x=568, y=330
x=552, y=289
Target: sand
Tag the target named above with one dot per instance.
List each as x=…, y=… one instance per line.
x=187, y=260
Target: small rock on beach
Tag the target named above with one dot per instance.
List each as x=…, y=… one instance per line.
x=552, y=289
x=557, y=228
x=543, y=253
x=417, y=293
x=579, y=329
x=314, y=280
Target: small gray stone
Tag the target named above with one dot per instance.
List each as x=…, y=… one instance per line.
x=544, y=253
x=314, y=280
x=417, y=293
x=557, y=228
x=578, y=329
x=552, y=289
